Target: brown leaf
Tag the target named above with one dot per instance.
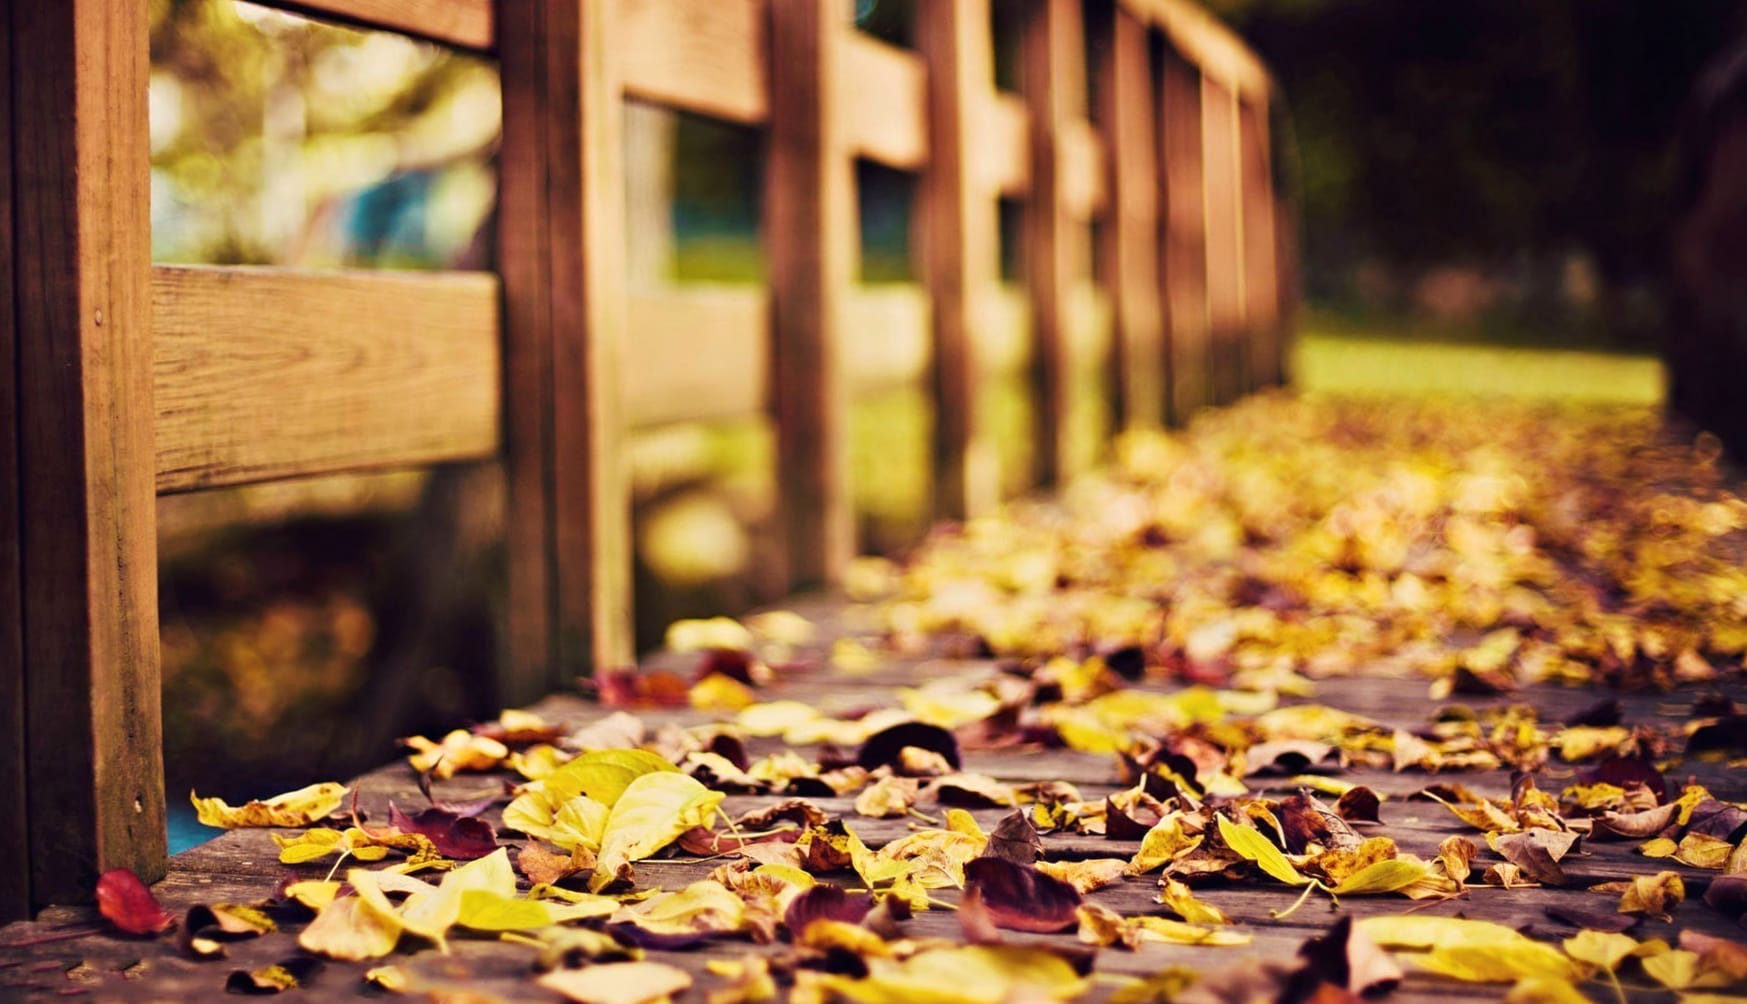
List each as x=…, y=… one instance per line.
x=1021, y=898
x=1636, y=825
x=1592, y=920
x=464, y=838
x=1537, y=852
x=1347, y=958
x=544, y=866
x=885, y=748
x=1359, y=805
x=1015, y=839
x=975, y=921
x=129, y=905
x=826, y=902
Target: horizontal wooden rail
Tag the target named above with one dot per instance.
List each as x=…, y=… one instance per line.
x=702, y=56
x=465, y=24
x=883, y=90
x=266, y=373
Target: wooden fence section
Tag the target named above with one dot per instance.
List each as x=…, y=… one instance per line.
x=121, y=380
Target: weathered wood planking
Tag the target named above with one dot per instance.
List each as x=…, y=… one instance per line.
x=14, y=834
x=465, y=24
x=1261, y=247
x=1054, y=80
x=1183, y=254
x=1221, y=189
x=702, y=56
x=810, y=231
x=960, y=244
x=1131, y=238
x=82, y=314
x=262, y=374
x=524, y=199
x=883, y=91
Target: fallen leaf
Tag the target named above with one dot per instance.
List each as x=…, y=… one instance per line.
x=1251, y=845
x=289, y=974
x=978, y=974
x=1537, y=852
x=351, y=929
x=1347, y=958
x=463, y=838
x=885, y=748
x=1015, y=839
x=1086, y=875
x=129, y=905
x=293, y=808
x=1021, y=898
x=653, y=811
x=618, y=983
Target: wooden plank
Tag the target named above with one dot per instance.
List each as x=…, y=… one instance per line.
x=811, y=231
x=960, y=245
x=999, y=129
x=1084, y=172
x=524, y=200
x=703, y=56
x=14, y=834
x=1003, y=341
x=1183, y=257
x=1054, y=93
x=1207, y=43
x=464, y=24
x=561, y=250
x=883, y=90
x=591, y=494
x=1260, y=246
x=82, y=256
x=1222, y=189
x=699, y=353
x=886, y=337
x=262, y=374
x=1132, y=235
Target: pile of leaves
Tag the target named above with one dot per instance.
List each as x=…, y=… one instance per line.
x=1168, y=620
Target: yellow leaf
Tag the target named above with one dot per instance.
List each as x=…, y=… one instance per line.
x=703, y=907
x=653, y=811
x=1603, y=949
x=1383, y=876
x=980, y=974
x=460, y=750
x=488, y=911
x=1420, y=932
x=294, y=808
x=1086, y=875
x=389, y=978
x=1702, y=851
x=1165, y=842
x=697, y=635
x=1506, y=962
x=1545, y=991
x=313, y=893
x=719, y=693
x=1251, y=845
x=352, y=929
x=1177, y=897
x=618, y=983
x=1658, y=847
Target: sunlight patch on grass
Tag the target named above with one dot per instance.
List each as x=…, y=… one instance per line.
x=1326, y=363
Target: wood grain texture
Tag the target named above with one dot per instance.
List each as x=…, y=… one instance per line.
x=1183, y=255
x=528, y=653
x=999, y=136
x=703, y=56
x=464, y=24
x=811, y=229
x=1054, y=79
x=882, y=91
x=1131, y=240
x=263, y=374
x=696, y=352
x=1222, y=191
x=14, y=834
x=960, y=244
x=1262, y=314
x=82, y=305
x=591, y=494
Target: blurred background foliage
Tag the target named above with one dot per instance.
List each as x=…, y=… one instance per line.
x=1484, y=189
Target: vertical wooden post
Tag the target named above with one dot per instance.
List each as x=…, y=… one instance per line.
x=14, y=835
x=1221, y=181
x=1132, y=235
x=810, y=235
x=961, y=237
x=1053, y=85
x=81, y=261
x=1260, y=247
x=1184, y=257
x=562, y=259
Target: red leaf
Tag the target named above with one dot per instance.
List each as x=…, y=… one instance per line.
x=630, y=688
x=826, y=902
x=463, y=838
x=129, y=905
x=1021, y=898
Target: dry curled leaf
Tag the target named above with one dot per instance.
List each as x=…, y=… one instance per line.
x=129, y=905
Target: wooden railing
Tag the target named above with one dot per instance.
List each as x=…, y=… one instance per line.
x=122, y=381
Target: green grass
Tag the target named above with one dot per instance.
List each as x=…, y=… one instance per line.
x=1330, y=358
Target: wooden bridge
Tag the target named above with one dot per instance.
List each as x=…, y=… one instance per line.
x=1139, y=137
